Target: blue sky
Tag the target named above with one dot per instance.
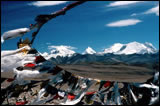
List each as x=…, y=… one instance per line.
x=98, y=24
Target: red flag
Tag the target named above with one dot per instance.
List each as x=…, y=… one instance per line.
x=57, y=96
x=21, y=103
x=71, y=96
x=107, y=84
x=10, y=79
x=39, y=59
x=30, y=65
x=90, y=93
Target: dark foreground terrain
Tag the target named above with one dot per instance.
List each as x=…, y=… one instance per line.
x=119, y=72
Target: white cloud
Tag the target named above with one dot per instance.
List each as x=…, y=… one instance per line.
x=61, y=47
x=153, y=10
x=46, y=3
x=122, y=23
x=123, y=3
x=134, y=14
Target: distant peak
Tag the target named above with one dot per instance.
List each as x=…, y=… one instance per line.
x=114, y=48
x=131, y=48
x=117, y=48
x=134, y=42
x=89, y=50
x=61, y=51
x=149, y=44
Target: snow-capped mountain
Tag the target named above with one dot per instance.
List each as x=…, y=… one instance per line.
x=131, y=48
x=113, y=49
x=89, y=50
x=116, y=49
x=45, y=55
x=61, y=51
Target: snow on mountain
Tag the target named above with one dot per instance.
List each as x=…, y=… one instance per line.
x=45, y=55
x=89, y=50
x=117, y=48
x=62, y=51
x=150, y=46
x=131, y=48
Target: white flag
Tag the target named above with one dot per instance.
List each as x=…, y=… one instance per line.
x=14, y=33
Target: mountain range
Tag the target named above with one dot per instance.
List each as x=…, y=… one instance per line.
x=133, y=53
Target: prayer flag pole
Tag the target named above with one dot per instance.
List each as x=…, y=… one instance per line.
x=42, y=19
